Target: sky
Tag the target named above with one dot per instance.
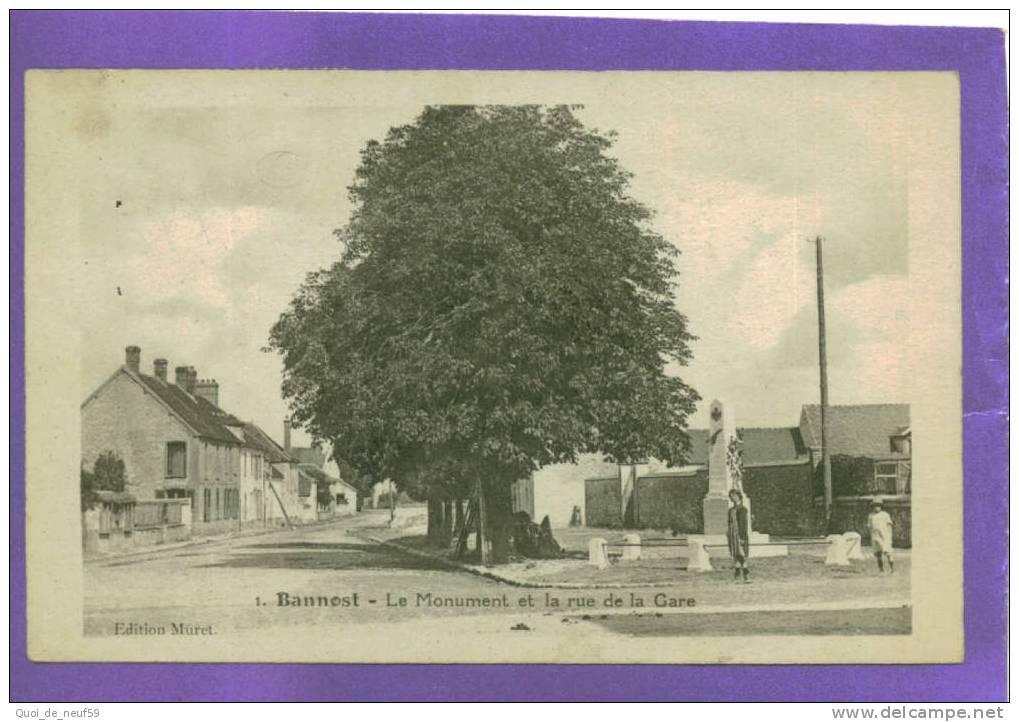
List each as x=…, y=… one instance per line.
x=203, y=207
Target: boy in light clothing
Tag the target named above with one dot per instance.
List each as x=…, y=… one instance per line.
x=880, y=525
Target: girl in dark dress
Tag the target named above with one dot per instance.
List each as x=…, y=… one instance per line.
x=738, y=535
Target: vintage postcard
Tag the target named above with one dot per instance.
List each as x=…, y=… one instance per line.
x=557, y=367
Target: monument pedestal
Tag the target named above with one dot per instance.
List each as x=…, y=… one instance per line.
x=716, y=514
x=716, y=527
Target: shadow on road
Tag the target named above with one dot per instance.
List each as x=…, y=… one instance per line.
x=311, y=555
x=321, y=546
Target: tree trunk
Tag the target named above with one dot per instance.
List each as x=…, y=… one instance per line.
x=440, y=521
x=434, y=520
x=458, y=517
x=484, y=553
x=500, y=516
x=392, y=503
x=446, y=524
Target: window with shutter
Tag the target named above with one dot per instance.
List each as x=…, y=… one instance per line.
x=176, y=459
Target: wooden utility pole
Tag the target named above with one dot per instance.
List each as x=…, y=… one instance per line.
x=823, y=360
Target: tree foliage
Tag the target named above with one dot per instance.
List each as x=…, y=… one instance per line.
x=323, y=494
x=89, y=497
x=501, y=304
x=107, y=474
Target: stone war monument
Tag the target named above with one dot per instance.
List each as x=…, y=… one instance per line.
x=724, y=475
x=721, y=476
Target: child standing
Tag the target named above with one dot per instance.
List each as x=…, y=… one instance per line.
x=880, y=525
x=738, y=535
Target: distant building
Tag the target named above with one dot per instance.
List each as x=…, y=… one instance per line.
x=340, y=497
x=324, y=495
x=177, y=443
x=281, y=476
x=302, y=454
x=870, y=447
x=555, y=490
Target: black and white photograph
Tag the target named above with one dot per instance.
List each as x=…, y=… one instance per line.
x=493, y=367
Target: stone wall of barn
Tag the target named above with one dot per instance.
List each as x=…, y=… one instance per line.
x=602, y=502
x=782, y=499
x=671, y=501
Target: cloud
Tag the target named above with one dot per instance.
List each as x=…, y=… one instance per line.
x=231, y=204
x=182, y=256
x=776, y=285
x=718, y=222
x=877, y=306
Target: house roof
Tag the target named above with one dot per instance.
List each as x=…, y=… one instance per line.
x=258, y=439
x=308, y=455
x=317, y=473
x=760, y=446
x=307, y=474
x=210, y=421
x=858, y=430
x=196, y=412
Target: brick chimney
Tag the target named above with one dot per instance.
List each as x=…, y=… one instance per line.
x=208, y=389
x=192, y=380
x=159, y=368
x=286, y=434
x=133, y=358
x=181, y=375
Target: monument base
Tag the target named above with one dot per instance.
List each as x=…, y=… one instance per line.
x=717, y=545
x=716, y=514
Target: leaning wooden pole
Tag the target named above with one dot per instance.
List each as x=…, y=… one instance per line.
x=286, y=517
x=823, y=361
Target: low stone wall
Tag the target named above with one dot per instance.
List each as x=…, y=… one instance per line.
x=150, y=522
x=150, y=536
x=782, y=499
x=110, y=542
x=602, y=502
x=671, y=501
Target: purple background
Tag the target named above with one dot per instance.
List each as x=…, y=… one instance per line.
x=224, y=39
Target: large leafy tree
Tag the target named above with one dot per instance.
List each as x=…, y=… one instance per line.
x=107, y=474
x=501, y=304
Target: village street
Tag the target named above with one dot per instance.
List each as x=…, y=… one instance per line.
x=234, y=583
x=329, y=575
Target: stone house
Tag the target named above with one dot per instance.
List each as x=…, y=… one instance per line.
x=279, y=474
x=312, y=476
x=323, y=495
x=177, y=443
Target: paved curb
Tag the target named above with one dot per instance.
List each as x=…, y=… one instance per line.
x=513, y=581
x=488, y=573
